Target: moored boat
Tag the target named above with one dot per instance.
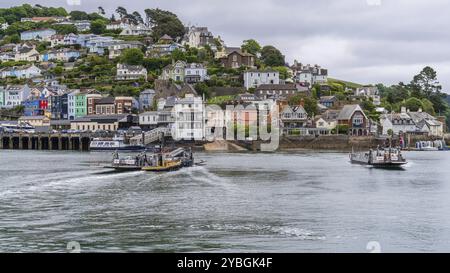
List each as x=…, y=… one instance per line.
x=115, y=144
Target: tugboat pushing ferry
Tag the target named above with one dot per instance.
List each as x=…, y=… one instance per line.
x=380, y=158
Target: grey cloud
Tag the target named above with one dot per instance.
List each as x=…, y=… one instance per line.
x=354, y=40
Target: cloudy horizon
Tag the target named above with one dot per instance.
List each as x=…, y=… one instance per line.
x=364, y=41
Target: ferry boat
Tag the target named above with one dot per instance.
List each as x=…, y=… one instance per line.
x=158, y=161
x=380, y=158
x=115, y=144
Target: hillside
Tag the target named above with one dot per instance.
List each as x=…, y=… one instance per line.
x=347, y=83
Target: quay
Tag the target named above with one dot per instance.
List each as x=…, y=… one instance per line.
x=45, y=141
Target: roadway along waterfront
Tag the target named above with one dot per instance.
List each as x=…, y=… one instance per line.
x=283, y=202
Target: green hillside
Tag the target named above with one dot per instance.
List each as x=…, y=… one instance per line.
x=347, y=83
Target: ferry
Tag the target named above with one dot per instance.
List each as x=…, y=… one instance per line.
x=380, y=158
x=158, y=161
x=115, y=144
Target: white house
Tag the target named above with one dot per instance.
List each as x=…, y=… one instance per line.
x=117, y=25
x=369, y=92
x=255, y=78
x=130, y=72
x=398, y=123
x=14, y=95
x=195, y=72
x=198, y=37
x=27, y=72
x=37, y=34
x=189, y=118
x=27, y=54
x=136, y=30
x=148, y=120
x=309, y=74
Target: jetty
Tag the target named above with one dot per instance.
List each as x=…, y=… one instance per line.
x=45, y=141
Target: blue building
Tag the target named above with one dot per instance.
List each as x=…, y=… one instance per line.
x=37, y=34
x=35, y=107
x=146, y=99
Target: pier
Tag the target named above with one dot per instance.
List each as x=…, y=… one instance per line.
x=45, y=141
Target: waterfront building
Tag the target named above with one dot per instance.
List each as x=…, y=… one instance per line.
x=189, y=118
x=35, y=121
x=105, y=106
x=123, y=105
x=355, y=119
x=91, y=102
x=35, y=106
x=255, y=78
x=148, y=120
x=111, y=122
x=37, y=34
x=59, y=106
x=293, y=119
x=71, y=98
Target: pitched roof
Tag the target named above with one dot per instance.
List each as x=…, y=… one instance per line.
x=105, y=100
x=348, y=111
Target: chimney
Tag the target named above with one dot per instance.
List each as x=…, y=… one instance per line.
x=403, y=110
x=420, y=110
x=302, y=102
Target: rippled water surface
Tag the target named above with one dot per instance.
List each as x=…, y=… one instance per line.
x=286, y=202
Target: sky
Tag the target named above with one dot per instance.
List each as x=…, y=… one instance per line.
x=365, y=41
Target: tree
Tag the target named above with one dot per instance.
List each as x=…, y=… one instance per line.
x=251, y=46
x=425, y=85
x=101, y=10
x=413, y=104
x=132, y=56
x=79, y=15
x=272, y=56
x=98, y=27
x=137, y=17
x=65, y=29
x=164, y=22
x=122, y=12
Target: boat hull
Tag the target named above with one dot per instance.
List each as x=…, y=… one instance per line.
x=123, y=148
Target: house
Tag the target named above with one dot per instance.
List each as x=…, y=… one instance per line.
x=123, y=105
x=35, y=106
x=57, y=40
x=59, y=106
x=198, y=37
x=21, y=72
x=355, y=119
x=91, y=102
x=130, y=72
x=116, y=48
x=148, y=120
x=293, y=119
x=7, y=56
x=64, y=55
x=322, y=123
x=308, y=74
x=35, y=121
x=116, y=25
x=71, y=103
x=328, y=101
x=15, y=95
x=37, y=34
x=105, y=106
x=370, y=92
x=28, y=54
x=96, y=44
x=73, y=39
x=427, y=123
x=165, y=46
x=266, y=91
x=189, y=118
x=255, y=78
x=81, y=25
x=112, y=122
x=235, y=58
x=136, y=30
x=174, y=71
x=146, y=99
x=194, y=73
x=44, y=19
x=398, y=123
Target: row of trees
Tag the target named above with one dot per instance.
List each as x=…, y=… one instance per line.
x=14, y=14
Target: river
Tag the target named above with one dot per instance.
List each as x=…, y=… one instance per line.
x=238, y=202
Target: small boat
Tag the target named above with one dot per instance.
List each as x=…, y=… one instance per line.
x=167, y=166
x=380, y=158
x=115, y=144
x=430, y=146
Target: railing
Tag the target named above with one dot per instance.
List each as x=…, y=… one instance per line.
x=151, y=136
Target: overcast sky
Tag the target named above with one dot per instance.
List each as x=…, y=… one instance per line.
x=366, y=41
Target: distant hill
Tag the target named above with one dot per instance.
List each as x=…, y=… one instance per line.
x=347, y=83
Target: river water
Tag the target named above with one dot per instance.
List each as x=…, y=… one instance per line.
x=284, y=202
